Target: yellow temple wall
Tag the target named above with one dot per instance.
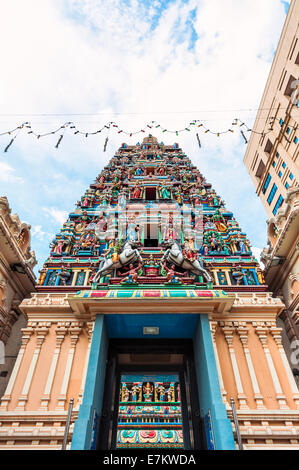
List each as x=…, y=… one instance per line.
x=231, y=339
x=228, y=337
x=70, y=347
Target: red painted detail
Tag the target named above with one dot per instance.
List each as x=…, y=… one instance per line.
x=204, y=293
x=101, y=293
x=151, y=293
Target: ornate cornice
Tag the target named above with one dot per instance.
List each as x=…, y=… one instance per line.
x=284, y=220
x=12, y=229
x=57, y=306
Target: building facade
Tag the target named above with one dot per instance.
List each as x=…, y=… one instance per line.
x=272, y=161
x=17, y=281
x=271, y=156
x=151, y=313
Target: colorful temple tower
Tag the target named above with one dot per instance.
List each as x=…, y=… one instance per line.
x=151, y=313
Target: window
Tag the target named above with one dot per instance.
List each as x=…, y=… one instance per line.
x=283, y=165
x=280, y=174
x=150, y=194
x=250, y=277
x=266, y=183
x=288, y=130
x=260, y=169
x=287, y=185
x=291, y=176
x=278, y=204
x=296, y=140
x=268, y=146
x=277, y=155
x=52, y=278
x=80, y=278
x=290, y=86
x=272, y=194
x=281, y=121
x=274, y=164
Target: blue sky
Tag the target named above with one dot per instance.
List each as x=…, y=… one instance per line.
x=132, y=62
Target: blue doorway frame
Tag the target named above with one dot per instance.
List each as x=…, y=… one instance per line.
x=180, y=327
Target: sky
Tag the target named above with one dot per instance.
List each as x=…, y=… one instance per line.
x=95, y=61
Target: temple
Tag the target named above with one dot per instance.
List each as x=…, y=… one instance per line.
x=151, y=313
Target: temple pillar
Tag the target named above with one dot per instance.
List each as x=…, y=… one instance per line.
x=261, y=331
x=60, y=331
x=208, y=386
x=243, y=334
x=42, y=330
x=276, y=333
x=94, y=387
x=5, y=400
x=228, y=331
x=74, y=331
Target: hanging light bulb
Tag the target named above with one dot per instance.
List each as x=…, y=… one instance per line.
x=105, y=144
x=244, y=137
x=58, y=142
x=198, y=140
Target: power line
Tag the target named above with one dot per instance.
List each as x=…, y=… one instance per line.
x=116, y=113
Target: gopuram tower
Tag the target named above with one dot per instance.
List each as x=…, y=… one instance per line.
x=151, y=314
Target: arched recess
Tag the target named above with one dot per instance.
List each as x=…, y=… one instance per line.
x=24, y=239
x=272, y=233
x=294, y=285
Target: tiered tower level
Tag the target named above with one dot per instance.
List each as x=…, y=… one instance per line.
x=151, y=195
x=150, y=256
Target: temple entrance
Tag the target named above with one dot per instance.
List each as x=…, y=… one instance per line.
x=151, y=238
x=150, y=396
x=150, y=193
x=150, y=411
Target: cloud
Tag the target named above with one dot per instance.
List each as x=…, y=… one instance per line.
x=57, y=215
x=133, y=62
x=7, y=174
x=39, y=234
x=257, y=254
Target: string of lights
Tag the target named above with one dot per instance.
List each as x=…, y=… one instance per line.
x=237, y=125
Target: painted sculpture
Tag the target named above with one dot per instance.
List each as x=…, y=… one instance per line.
x=129, y=254
x=151, y=198
x=173, y=254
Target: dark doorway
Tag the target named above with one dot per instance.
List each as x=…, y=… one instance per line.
x=150, y=194
x=152, y=234
x=144, y=376
x=151, y=242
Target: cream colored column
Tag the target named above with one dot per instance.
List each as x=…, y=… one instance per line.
x=89, y=330
x=75, y=278
x=26, y=334
x=261, y=331
x=214, y=272
x=243, y=334
x=276, y=333
x=87, y=277
x=228, y=331
x=227, y=277
x=74, y=331
x=41, y=330
x=213, y=326
x=60, y=331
